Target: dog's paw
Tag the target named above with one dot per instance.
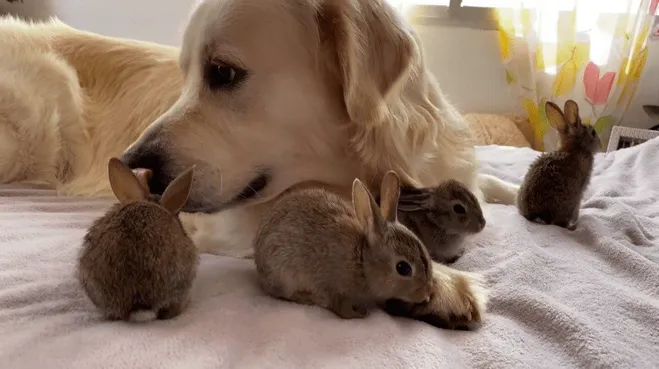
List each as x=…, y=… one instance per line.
x=458, y=302
x=466, y=308
x=462, y=297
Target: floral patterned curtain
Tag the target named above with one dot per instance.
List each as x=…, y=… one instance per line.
x=592, y=54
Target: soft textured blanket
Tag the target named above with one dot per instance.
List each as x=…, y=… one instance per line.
x=559, y=299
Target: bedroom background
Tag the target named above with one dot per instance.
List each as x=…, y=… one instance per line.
x=514, y=54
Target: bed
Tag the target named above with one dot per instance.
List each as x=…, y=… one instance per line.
x=558, y=299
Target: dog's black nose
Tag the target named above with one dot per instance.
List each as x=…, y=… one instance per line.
x=149, y=156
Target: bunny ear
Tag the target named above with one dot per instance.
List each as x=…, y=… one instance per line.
x=411, y=207
x=407, y=191
x=415, y=199
x=367, y=211
x=177, y=192
x=389, y=194
x=555, y=116
x=125, y=185
x=571, y=112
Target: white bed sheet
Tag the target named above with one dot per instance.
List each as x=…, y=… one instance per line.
x=588, y=298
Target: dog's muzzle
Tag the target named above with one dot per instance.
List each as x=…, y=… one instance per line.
x=253, y=188
x=149, y=156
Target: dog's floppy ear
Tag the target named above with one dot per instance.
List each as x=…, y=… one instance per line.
x=372, y=48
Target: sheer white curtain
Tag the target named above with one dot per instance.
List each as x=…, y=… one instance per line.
x=589, y=51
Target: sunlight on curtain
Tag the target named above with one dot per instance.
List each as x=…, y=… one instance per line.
x=590, y=51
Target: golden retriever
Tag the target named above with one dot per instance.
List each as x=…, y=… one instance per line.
x=264, y=96
x=69, y=100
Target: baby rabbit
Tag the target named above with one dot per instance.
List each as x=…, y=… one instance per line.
x=555, y=182
x=441, y=217
x=314, y=248
x=137, y=256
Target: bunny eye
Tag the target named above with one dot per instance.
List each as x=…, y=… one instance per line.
x=593, y=133
x=459, y=209
x=404, y=268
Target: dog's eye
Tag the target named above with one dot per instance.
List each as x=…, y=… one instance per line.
x=459, y=209
x=223, y=76
x=404, y=268
x=593, y=133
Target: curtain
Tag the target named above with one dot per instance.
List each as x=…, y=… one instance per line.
x=590, y=51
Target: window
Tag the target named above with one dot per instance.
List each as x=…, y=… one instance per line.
x=450, y=13
x=611, y=6
x=480, y=13
x=596, y=21
x=608, y=7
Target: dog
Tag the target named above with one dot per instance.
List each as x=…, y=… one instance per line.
x=70, y=100
x=336, y=106
x=263, y=96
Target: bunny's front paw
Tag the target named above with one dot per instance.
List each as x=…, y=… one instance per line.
x=347, y=309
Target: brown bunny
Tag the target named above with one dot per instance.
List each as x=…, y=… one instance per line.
x=315, y=248
x=555, y=182
x=137, y=256
x=441, y=217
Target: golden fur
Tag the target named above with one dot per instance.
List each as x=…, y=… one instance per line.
x=70, y=100
x=337, y=90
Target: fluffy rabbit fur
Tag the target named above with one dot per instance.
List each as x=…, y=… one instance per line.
x=555, y=182
x=137, y=256
x=315, y=248
x=441, y=217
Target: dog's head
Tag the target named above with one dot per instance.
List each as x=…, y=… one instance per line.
x=278, y=92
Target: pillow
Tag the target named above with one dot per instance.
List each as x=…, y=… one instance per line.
x=497, y=129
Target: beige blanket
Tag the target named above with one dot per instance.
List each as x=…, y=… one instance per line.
x=559, y=299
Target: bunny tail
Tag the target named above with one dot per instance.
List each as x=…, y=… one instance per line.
x=140, y=316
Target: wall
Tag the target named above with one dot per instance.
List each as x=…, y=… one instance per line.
x=466, y=64
x=159, y=21
x=647, y=92
x=464, y=60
